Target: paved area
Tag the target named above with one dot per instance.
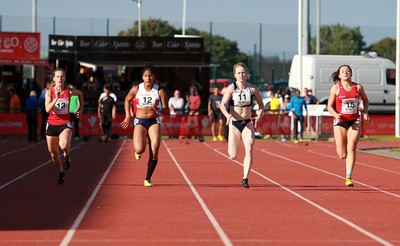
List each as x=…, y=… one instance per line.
x=387, y=152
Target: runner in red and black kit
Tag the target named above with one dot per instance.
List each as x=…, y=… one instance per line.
x=59, y=127
x=343, y=104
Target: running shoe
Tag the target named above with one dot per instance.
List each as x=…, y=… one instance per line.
x=245, y=183
x=60, y=178
x=147, y=183
x=349, y=182
x=215, y=139
x=67, y=162
x=137, y=156
x=220, y=138
x=296, y=141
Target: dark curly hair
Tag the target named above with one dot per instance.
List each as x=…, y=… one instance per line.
x=149, y=66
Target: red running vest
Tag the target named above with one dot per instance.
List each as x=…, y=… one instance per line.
x=347, y=102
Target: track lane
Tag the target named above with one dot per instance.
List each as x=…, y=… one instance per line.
x=252, y=218
x=125, y=212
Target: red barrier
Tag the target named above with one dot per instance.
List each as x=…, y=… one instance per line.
x=15, y=125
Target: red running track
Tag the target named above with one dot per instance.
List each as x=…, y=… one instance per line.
x=297, y=196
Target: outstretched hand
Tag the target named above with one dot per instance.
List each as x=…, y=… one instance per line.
x=126, y=122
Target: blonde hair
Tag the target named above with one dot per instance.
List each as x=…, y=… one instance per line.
x=240, y=64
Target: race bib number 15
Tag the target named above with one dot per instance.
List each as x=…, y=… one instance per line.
x=349, y=106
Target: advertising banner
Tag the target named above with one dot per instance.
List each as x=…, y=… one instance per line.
x=19, y=46
x=184, y=125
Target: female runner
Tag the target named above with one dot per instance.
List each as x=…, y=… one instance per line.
x=59, y=127
x=343, y=105
x=240, y=97
x=146, y=98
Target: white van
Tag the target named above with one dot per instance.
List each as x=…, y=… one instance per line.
x=377, y=75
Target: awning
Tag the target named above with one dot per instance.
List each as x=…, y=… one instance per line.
x=94, y=64
x=38, y=62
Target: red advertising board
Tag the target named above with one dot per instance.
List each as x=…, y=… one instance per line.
x=19, y=45
x=15, y=125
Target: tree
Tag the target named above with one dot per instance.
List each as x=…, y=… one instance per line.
x=339, y=40
x=386, y=47
x=224, y=52
x=151, y=28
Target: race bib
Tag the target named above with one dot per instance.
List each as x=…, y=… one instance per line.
x=241, y=98
x=349, y=106
x=61, y=106
x=146, y=101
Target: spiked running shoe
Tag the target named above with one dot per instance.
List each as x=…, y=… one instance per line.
x=245, y=183
x=147, y=183
x=67, y=162
x=220, y=138
x=349, y=182
x=137, y=156
x=60, y=180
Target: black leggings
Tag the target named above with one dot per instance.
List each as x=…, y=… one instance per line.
x=299, y=118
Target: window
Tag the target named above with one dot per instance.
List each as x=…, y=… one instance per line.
x=391, y=76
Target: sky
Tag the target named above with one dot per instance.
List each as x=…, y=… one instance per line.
x=237, y=20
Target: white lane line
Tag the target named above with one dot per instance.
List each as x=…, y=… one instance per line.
x=32, y=170
x=207, y=211
x=336, y=216
x=357, y=162
x=20, y=149
x=78, y=220
x=332, y=174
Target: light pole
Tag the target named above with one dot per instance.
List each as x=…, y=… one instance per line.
x=184, y=18
x=139, y=5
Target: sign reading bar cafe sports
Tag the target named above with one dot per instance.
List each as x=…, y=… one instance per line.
x=125, y=44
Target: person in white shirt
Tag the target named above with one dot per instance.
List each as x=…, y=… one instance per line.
x=176, y=103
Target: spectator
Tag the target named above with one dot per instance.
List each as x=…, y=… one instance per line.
x=310, y=99
x=32, y=105
x=82, y=78
x=194, y=102
x=45, y=115
x=215, y=114
x=176, y=103
x=297, y=104
x=92, y=84
x=274, y=105
x=107, y=111
x=195, y=86
x=73, y=109
x=15, y=102
x=286, y=112
x=193, y=119
x=274, y=109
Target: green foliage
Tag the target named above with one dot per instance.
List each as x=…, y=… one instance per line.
x=151, y=28
x=223, y=52
x=339, y=40
x=385, y=48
